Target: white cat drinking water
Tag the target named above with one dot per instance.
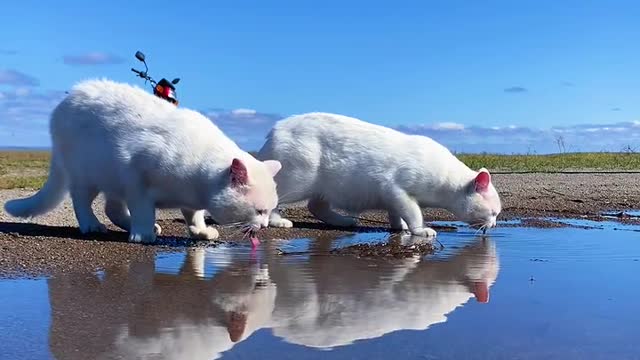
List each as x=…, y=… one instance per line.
x=144, y=153
x=345, y=163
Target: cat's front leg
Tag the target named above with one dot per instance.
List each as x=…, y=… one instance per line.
x=407, y=209
x=143, y=219
x=276, y=220
x=197, y=226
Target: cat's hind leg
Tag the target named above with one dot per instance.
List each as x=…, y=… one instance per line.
x=82, y=197
x=197, y=226
x=321, y=209
x=117, y=211
x=396, y=222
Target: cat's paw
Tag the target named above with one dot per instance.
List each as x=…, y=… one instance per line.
x=157, y=229
x=93, y=228
x=281, y=223
x=424, y=232
x=207, y=233
x=143, y=238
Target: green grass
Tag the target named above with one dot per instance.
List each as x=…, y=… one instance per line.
x=23, y=169
x=29, y=169
x=554, y=162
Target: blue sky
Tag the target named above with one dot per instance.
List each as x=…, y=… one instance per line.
x=499, y=76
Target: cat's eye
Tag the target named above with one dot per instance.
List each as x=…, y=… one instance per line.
x=261, y=211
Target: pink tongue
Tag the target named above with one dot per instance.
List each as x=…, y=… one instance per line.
x=481, y=291
x=255, y=241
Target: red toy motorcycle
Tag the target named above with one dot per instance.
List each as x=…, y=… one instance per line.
x=163, y=88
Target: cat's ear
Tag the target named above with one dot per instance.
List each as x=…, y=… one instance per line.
x=482, y=180
x=481, y=291
x=236, y=325
x=238, y=173
x=273, y=166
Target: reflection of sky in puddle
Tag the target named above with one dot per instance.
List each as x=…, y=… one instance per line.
x=545, y=293
x=602, y=225
x=632, y=213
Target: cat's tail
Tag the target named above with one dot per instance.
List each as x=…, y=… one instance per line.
x=47, y=198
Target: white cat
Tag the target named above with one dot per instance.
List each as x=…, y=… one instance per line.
x=345, y=163
x=144, y=153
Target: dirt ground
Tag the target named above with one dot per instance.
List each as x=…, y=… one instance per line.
x=53, y=243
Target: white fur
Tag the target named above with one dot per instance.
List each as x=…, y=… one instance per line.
x=346, y=301
x=345, y=163
x=144, y=153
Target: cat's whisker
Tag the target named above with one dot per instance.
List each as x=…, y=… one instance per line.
x=230, y=225
x=240, y=229
x=482, y=228
x=237, y=232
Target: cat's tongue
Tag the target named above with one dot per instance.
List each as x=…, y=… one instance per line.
x=481, y=291
x=255, y=241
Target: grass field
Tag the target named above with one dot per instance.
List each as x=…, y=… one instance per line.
x=554, y=162
x=28, y=169
x=23, y=169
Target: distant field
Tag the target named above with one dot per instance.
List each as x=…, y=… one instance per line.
x=28, y=169
x=23, y=169
x=554, y=162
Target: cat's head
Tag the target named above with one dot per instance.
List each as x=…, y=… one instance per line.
x=250, y=194
x=480, y=204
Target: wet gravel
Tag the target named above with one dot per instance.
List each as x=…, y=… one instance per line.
x=52, y=243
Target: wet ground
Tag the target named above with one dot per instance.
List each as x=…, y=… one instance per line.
x=535, y=288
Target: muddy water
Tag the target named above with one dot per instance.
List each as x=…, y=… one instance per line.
x=521, y=293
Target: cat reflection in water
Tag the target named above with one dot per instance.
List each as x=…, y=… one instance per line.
x=347, y=300
x=322, y=302
x=135, y=312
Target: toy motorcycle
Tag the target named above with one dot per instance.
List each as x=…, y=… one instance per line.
x=163, y=88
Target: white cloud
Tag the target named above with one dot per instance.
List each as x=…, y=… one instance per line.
x=92, y=58
x=23, y=91
x=24, y=116
x=510, y=139
x=16, y=78
x=24, y=119
x=247, y=112
x=448, y=126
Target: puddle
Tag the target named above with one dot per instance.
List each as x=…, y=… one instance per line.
x=622, y=214
x=596, y=225
x=519, y=293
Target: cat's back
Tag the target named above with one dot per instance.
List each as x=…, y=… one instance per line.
x=120, y=108
x=328, y=124
x=102, y=103
x=108, y=94
x=348, y=137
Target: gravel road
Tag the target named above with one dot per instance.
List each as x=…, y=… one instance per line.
x=52, y=241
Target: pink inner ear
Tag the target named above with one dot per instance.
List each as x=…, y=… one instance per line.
x=481, y=291
x=238, y=173
x=482, y=181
